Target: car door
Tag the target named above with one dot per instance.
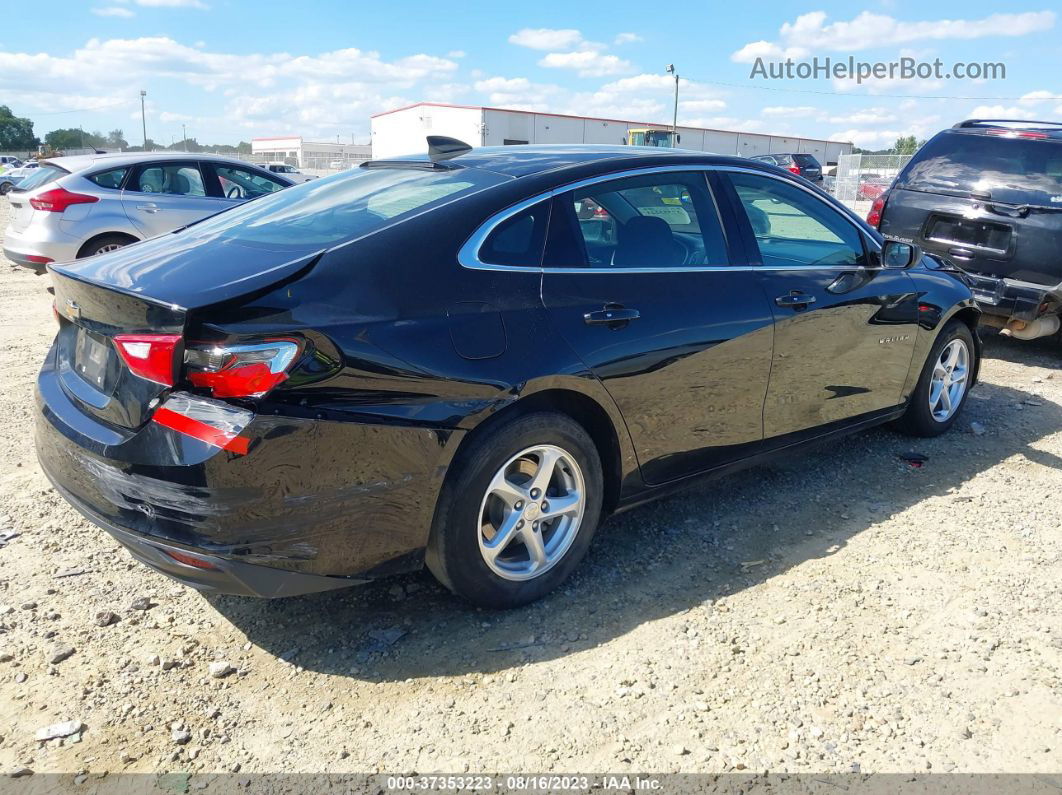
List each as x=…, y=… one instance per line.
x=845, y=327
x=637, y=280
x=166, y=195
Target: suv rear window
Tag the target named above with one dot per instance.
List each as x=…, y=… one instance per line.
x=41, y=176
x=1008, y=170
x=808, y=161
x=345, y=206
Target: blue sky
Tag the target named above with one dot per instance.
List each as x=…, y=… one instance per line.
x=232, y=70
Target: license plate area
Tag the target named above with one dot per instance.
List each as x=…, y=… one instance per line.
x=984, y=236
x=94, y=360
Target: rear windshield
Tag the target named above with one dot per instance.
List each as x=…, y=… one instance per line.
x=41, y=176
x=808, y=161
x=1008, y=170
x=345, y=206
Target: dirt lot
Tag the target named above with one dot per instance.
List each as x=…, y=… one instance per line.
x=835, y=611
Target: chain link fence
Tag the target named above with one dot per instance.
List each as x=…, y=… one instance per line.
x=860, y=179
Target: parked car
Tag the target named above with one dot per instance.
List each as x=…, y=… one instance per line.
x=799, y=163
x=9, y=161
x=80, y=206
x=871, y=186
x=469, y=359
x=987, y=194
x=289, y=171
x=10, y=178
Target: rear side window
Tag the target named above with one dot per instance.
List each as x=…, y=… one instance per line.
x=518, y=240
x=654, y=221
x=109, y=179
x=41, y=176
x=171, y=179
x=344, y=206
x=1008, y=170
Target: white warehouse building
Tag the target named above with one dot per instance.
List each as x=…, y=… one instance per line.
x=402, y=131
x=305, y=153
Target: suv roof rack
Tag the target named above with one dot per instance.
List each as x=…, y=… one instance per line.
x=1012, y=128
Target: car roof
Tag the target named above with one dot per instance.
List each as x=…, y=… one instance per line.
x=1010, y=128
x=528, y=159
x=74, y=163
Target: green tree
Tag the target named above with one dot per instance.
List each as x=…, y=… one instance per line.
x=73, y=138
x=15, y=132
x=116, y=140
x=907, y=145
x=187, y=145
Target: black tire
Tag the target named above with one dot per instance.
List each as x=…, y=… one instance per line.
x=100, y=244
x=918, y=420
x=5, y=187
x=453, y=553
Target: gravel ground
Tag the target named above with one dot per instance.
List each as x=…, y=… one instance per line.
x=836, y=611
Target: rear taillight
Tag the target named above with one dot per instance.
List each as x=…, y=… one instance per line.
x=244, y=370
x=150, y=356
x=876, y=209
x=37, y=259
x=794, y=170
x=57, y=200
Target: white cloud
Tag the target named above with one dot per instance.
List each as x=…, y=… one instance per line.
x=867, y=30
x=791, y=111
x=627, y=38
x=587, y=63
x=456, y=54
x=768, y=51
x=113, y=11
x=700, y=105
x=548, y=39
x=1037, y=97
x=172, y=3
x=998, y=112
x=273, y=91
x=518, y=92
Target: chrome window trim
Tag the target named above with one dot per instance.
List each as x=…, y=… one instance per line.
x=468, y=254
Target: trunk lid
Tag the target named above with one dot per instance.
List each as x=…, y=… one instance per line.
x=150, y=288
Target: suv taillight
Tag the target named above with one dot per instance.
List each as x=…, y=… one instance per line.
x=57, y=200
x=794, y=170
x=876, y=209
x=241, y=370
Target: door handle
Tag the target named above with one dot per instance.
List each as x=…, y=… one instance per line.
x=612, y=315
x=148, y=208
x=795, y=298
x=961, y=253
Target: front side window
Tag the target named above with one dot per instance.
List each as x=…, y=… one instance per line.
x=171, y=179
x=653, y=221
x=242, y=183
x=792, y=226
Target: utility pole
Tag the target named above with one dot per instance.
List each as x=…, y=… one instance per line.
x=81, y=127
x=674, y=119
x=184, y=137
x=143, y=116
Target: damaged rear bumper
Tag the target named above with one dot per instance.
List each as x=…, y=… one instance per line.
x=211, y=573
x=275, y=504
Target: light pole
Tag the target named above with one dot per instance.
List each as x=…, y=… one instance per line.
x=184, y=137
x=674, y=119
x=143, y=116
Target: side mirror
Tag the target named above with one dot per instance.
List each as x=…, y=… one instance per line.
x=678, y=139
x=895, y=254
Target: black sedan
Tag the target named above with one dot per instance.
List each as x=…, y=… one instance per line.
x=469, y=359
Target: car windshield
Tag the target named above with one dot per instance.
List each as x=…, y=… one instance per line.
x=1009, y=170
x=324, y=212
x=41, y=176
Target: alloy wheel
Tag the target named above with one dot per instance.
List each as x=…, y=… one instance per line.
x=949, y=381
x=531, y=512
